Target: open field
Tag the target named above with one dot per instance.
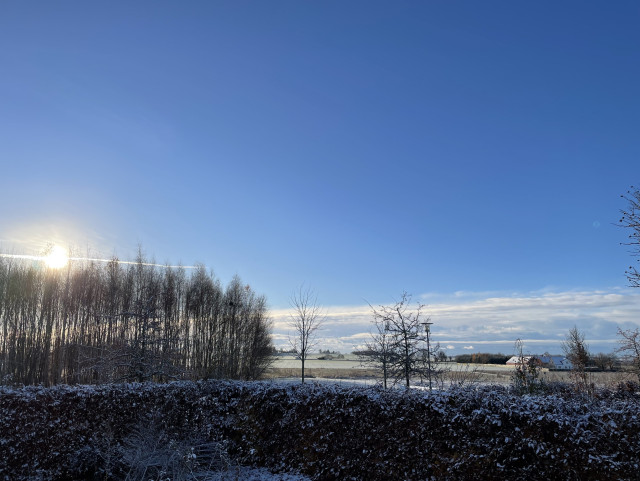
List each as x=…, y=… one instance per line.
x=322, y=372
x=350, y=361
x=287, y=366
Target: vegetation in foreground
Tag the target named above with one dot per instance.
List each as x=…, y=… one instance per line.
x=325, y=432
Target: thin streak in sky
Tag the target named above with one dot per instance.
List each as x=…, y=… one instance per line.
x=23, y=256
x=44, y=258
x=127, y=262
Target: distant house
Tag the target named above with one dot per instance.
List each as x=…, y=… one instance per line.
x=517, y=360
x=555, y=363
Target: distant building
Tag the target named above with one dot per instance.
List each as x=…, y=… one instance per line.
x=516, y=360
x=555, y=363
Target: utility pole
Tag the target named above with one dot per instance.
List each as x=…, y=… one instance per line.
x=427, y=328
x=385, y=353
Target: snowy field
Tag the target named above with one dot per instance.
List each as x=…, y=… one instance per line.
x=288, y=361
x=348, y=382
x=351, y=362
x=349, y=371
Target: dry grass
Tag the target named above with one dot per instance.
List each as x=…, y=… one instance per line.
x=603, y=379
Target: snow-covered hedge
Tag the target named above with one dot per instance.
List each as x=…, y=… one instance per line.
x=328, y=432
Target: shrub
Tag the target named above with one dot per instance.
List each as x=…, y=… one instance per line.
x=327, y=432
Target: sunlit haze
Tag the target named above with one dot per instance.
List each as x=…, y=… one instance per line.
x=57, y=257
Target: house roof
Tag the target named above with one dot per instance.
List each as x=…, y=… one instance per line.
x=555, y=360
x=517, y=360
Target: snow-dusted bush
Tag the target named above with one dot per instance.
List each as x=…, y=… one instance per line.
x=150, y=451
x=327, y=432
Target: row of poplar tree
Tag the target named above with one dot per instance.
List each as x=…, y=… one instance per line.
x=93, y=322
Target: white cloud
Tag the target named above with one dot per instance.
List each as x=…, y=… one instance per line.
x=467, y=347
x=492, y=322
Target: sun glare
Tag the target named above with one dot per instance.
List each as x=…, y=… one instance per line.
x=56, y=258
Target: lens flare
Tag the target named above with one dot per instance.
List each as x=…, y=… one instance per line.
x=56, y=258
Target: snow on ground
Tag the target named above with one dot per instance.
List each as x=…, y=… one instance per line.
x=322, y=380
x=255, y=474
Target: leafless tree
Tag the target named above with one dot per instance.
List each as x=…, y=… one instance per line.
x=577, y=352
x=630, y=348
x=148, y=356
x=409, y=355
x=526, y=377
x=379, y=350
x=604, y=361
x=92, y=322
x=631, y=220
x=305, y=320
x=463, y=376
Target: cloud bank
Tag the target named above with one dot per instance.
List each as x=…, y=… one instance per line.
x=489, y=322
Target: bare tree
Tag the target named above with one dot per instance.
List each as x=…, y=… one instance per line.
x=379, y=350
x=630, y=347
x=526, y=377
x=409, y=355
x=90, y=322
x=463, y=375
x=631, y=220
x=306, y=319
x=146, y=357
x=577, y=352
x=604, y=361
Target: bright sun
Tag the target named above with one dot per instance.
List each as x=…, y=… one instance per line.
x=57, y=257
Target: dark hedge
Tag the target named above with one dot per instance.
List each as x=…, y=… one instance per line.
x=328, y=432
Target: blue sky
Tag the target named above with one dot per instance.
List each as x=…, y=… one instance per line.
x=461, y=151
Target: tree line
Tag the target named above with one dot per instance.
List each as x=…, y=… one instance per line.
x=482, y=358
x=95, y=322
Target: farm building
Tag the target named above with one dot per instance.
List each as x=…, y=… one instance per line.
x=516, y=360
x=559, y=363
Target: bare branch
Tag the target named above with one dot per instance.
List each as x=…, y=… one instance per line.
x=305, y=320
x=630, y=347
x=577, y=352
x=631, y=220
x=400, y=344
